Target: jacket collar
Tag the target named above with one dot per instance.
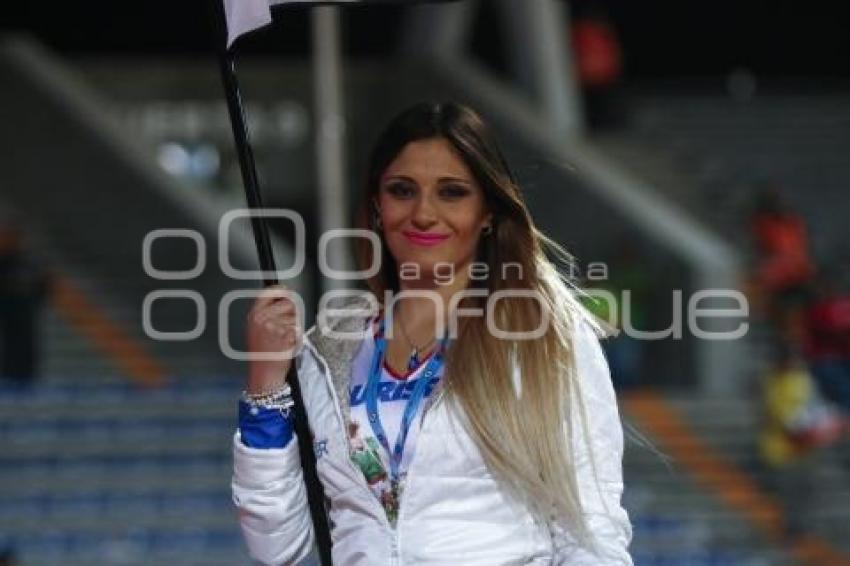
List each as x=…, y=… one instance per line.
x=350, y=314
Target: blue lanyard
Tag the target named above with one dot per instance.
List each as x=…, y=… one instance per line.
x=412, y=404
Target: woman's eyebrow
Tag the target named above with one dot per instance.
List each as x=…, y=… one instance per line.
x=446, y=179
x=455, y=180
x=397, y=178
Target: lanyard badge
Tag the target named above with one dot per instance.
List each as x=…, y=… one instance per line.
x=397, y=452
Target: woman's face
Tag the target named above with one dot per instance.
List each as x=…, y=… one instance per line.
x=431, y=207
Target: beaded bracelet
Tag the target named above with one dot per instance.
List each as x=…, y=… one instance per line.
x=277, y=399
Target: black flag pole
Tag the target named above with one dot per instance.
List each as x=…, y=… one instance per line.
x=227, y=64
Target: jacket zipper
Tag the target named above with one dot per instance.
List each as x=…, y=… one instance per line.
x=397, y=540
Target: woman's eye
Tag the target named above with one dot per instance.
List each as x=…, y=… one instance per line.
x=400, y=190
x=454, y=191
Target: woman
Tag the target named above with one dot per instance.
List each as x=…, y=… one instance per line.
x=494, y=448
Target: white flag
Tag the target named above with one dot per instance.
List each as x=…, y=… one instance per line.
x=247, y=15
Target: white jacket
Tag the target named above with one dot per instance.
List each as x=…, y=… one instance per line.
x=452, y=510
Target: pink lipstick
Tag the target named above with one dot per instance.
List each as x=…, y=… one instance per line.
x=424, y=238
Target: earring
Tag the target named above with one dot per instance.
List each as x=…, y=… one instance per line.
x=487, y=230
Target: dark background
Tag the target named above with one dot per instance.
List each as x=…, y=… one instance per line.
x=771, y=38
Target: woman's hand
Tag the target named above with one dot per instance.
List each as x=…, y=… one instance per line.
x=272, y=326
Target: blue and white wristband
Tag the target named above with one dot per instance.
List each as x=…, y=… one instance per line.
x=265, y=421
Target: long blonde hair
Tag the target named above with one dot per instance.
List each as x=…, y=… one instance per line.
x=524, y=436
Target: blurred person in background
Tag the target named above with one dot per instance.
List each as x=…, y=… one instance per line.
x=783, y=270
x=797, y=423
x=520, y=458
x=24, y=284
x=599, y=63
x=625, y=353
x=827, y=340
x=7, y=556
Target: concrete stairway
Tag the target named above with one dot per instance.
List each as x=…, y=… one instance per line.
x=97, y=471
x=821, y=503
x=676, y=521
x=91, y=211
x=709, y=151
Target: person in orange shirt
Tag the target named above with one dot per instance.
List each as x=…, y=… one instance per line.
x=599, y=64
x=783, y=271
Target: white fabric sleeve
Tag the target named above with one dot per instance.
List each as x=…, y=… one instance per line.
x=599, y=465
x=271, y=499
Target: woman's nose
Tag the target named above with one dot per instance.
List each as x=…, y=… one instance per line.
x=425, y=213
